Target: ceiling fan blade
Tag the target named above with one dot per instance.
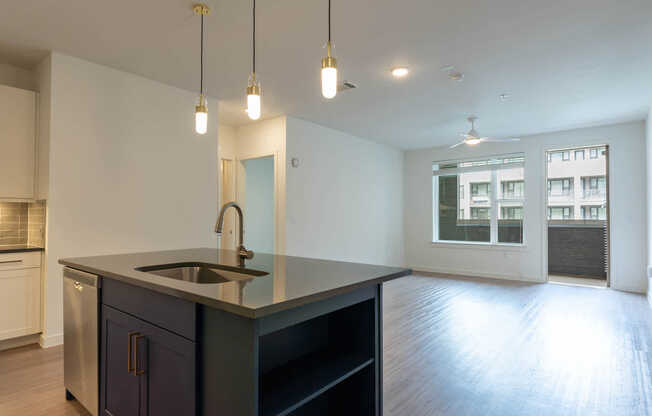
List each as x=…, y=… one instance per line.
x=486, y=139
x=456, y=144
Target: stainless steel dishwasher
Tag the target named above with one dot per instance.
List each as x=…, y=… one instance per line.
x=81, y=338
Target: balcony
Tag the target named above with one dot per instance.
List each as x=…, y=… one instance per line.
x=594, y=194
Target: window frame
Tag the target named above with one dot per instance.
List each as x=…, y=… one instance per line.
x=493, y=195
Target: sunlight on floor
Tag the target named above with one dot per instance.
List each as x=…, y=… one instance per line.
x=577, y=281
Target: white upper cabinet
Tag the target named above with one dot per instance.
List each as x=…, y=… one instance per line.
x=17, y=142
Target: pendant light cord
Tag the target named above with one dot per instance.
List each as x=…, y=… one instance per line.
x=254, y=39
x=201, y=58
x=329, y=21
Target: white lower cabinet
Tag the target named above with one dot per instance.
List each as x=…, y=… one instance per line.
x=20, y=294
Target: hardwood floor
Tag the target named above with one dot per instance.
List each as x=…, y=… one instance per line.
x=460, y=347
x=469, y=347
x=31, y=383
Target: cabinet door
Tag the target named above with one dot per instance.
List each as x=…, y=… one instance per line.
x=166, y=364
x=17, y=142
x=119, y=387
x=20, y=301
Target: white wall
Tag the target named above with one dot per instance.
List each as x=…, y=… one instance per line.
x=259, y=205
x=345, y=200
x=648, y=153
x=628, y=208
x=18, y=77
x=127, y=171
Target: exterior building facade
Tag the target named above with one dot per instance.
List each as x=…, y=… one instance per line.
x=577, y=184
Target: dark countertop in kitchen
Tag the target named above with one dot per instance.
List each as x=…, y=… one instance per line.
x=19, y=248
x=291, y=282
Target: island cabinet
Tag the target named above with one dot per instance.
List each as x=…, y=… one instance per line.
x=162, y=355
x=320, y=358
x=145, y=369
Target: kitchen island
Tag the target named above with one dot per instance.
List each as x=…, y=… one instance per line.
x=197, y=332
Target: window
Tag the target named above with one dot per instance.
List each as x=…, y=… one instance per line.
x=511, y=213
x=493, y=213
x=560, y=213
x=480, y=190
x=594, y=212
x=512, y=189
x=593, y=153
x=565, y=155
x=579, y=154
x=594, y=186
x=560, y=187
x=479, y=213
x=561, y=155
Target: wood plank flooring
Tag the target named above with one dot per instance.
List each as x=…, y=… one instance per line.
x=460, y=347
x=470, y=347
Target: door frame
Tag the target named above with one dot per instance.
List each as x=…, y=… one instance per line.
x=608, y=182
x=233, y=188
x=279, y=200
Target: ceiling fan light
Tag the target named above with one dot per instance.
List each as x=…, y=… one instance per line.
x=473, y=141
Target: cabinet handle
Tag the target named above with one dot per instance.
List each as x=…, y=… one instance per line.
x=129, y=367
x=137, y=372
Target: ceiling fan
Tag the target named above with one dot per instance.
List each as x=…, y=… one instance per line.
x=473, y=137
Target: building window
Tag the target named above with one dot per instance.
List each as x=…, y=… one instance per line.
x=511, y=213
x=565, y=155
x=512, y=189
x=593, y=153
x=579, y=154
x=560, y=213
x=480, y=190
x=594, y=212
x=560, y=187
x=490, y=214
x=594, y=187
x=479, y=213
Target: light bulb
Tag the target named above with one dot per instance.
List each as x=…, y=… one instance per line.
x=473, y=141
x=201, y=116
x=329, y=82
x=253, y=98
x=253, y=106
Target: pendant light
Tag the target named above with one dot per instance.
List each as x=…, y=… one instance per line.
x=253, y=86
x=201, y=111
x=329, y=66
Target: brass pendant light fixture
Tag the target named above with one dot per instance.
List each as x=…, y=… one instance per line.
x=201, y=110
x=253, y=85
x=329, y=66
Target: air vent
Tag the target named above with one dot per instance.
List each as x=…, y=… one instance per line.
x=346, y=85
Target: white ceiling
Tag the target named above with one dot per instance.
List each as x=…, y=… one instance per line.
x=565, y=63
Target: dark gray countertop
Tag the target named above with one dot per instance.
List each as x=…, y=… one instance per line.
x=291, y=282
x=19, y=248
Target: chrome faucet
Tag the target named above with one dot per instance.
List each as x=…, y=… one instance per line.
x=243, y=253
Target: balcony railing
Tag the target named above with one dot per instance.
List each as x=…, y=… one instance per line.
x=593, y=193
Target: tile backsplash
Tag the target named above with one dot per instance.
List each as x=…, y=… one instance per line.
x=22, y=223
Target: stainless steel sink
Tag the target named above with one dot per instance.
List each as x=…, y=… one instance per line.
x=202, y=273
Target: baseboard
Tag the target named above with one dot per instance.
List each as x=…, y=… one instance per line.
x=19, y=342
x=474, y=273
x=50, y=340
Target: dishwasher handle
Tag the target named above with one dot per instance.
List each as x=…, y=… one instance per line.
x=81, y=278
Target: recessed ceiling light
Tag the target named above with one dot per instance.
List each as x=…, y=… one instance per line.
x=400, y=71
x=504, y=97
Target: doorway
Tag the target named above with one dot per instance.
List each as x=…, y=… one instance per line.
x=577, y=215
x=227, y=195
x=256, y=187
